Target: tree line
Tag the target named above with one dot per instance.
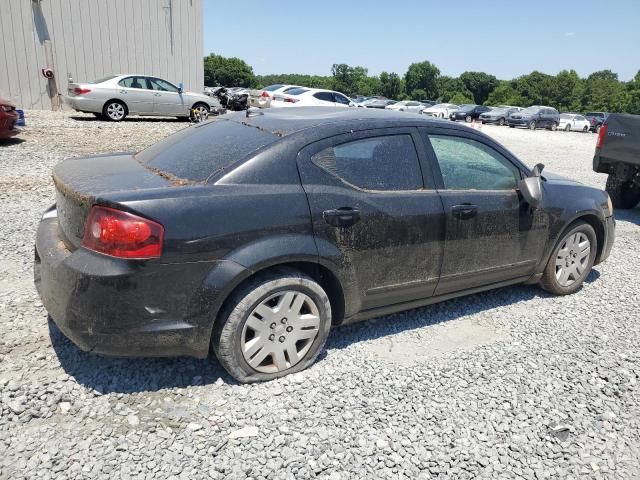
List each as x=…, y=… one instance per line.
x=566, y=91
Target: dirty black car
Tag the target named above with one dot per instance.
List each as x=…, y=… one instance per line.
x=250, y=236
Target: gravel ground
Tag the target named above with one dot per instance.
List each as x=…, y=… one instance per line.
x=512, y=383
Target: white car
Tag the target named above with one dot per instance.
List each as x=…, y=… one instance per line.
x=440, y=110
x=406, y=106
x=262, y=98
x=116, y=96
x=573, y=121
x=311, y=97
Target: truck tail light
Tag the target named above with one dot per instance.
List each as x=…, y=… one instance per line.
x=81, y=91
x=122, y=234
x=601, y=135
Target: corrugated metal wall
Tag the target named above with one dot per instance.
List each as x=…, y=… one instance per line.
x=94, y=38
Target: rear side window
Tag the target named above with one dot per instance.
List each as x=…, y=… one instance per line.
x=134, y=82
x=326, y=96
x=297, y=91
x=195, y=153
x=387, y=162
x=470, y=165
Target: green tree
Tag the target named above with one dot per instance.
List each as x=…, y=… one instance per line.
x=505, y=94
x=634, y=95
x=390, y=85
x=347, y=79
x=480, y=85
x=604, y=92
x=448, y=87
x=568, y=91
x=220, y=71
x=422, y=76
x=460, y=98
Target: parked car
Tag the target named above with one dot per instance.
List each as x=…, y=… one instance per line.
x=311, y=97
x=117, y=96
x=429, y=103
x=468, y=113
x=8, y=119
x=618, y=155
x=262, y=98
x=498, y=115
x=575, y=122
x=596, y=119
x=380, y=103
x=440, y=110
x=253, y=235
x=406, y=106
x=535, y=117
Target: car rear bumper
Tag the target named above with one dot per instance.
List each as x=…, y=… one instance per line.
x=84, y=104
x=259, y=102
x=520, y=122
x=121, y=307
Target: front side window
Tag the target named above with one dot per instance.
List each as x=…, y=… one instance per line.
x=378, y=163
x=324, y=96
x=341, y=99
x=471, y=165
x=162, y=85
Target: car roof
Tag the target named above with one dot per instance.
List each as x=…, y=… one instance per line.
x=286, y=121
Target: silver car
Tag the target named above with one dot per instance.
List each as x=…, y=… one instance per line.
x=117, y=96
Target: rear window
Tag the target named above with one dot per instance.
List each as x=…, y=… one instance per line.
x=105, y=79
x=195, y=153
x=297, y=91
x=271, y=88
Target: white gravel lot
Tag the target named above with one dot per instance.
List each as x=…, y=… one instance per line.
x=512, y=383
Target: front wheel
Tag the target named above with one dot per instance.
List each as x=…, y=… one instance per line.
x=624, y=194
x=501, y=122
x=585, y=129
x=571, y=260
x=532, y=125
x=468, y=119
x=199, y=112
x=553, y=127
x=567, y=128
x=275, y=325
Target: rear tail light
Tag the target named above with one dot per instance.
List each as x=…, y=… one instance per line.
x=122, y=234
x=291, y=100
x=81, y=91
x=601, y=135
x=265, y=94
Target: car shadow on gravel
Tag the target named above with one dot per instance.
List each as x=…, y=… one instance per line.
x=133, y=119
x=134, y=375
x=631, y=216
x=8, y=142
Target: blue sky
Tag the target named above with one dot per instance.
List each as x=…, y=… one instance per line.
x=505, y=38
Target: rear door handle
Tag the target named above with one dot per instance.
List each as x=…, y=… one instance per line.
x=341, y=217
x=464, y=211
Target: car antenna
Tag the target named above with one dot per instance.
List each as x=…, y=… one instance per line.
x=254, y=112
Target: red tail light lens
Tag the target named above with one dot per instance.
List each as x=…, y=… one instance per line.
x=290, y=100
x=265, y=94
x=81, y=91
x=122, y=234
x=601, y=135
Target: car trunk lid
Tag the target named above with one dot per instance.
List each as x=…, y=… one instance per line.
x=83, y=182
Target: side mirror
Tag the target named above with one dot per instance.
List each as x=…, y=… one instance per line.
x=180, y=87
x=531, y=187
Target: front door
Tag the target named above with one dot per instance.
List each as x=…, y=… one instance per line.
x=373, y=215
x=136, y=94
x=167, y=98
x=491, y=233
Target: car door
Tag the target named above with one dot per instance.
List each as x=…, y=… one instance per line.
x=167, y=98
x=135, y=92
x=480, y=110
x=373, y=215
x=340, y=100
x=324, y=99
x=491, y=234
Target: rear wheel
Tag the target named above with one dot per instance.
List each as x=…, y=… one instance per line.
x=597, y=128
x=468, y=119
x=275, y=325
x=115, y=111
x=585, y=129
x=501, y=122
x=624, y=194
x=553, y=127
x=571, y=260
x=532, y=125
x=567, y=128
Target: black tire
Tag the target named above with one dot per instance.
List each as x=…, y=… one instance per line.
x=512, y=126
x=553, y=127
x=199, y=112
x=227, y=331
x=597, y=128
x=114, y=105
x=532, y=125
x=549, y=282
x=585, y=129
x=624, y=194
x=468, y=119
x=501, y=122
x=567, y=128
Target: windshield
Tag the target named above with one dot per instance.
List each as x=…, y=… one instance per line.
x=105, y=79
x=271, y=88
x=566, y=116
x=195, y=153
x=441, y=105
x=466, y=108
x=497, y=110
x=530, y=110
x=595, y=114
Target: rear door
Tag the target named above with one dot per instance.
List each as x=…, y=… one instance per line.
x=136, y=94
x=491, y=233
x=373, y=215
x=167, y=99
x=324, y=99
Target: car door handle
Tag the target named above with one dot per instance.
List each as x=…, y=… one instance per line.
x=123, y=91
x=156, y=94
x=464, y=211
x=341, y=217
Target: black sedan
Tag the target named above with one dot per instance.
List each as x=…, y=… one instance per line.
x=253, y=234
x=596, y=119
x=469, y=113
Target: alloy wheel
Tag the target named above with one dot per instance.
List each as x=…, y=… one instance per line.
x=279, y=331
x=115, y=111
x=200, y=113
x=572, y=259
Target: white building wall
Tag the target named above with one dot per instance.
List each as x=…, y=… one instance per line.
x=91, y=39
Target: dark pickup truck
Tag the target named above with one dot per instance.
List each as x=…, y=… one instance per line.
x=618, y=154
